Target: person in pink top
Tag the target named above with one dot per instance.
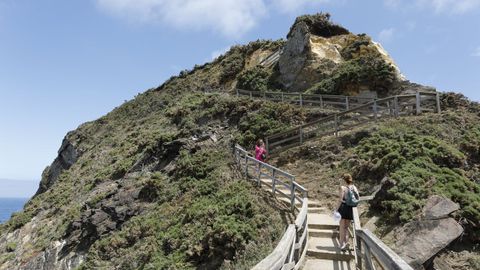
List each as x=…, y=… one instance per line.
x=260, y=152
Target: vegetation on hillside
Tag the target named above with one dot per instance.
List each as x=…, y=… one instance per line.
x=319, y=24
x=168, y=160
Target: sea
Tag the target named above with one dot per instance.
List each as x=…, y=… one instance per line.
x=10, y=205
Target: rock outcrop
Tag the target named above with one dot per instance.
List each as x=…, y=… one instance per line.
x=315, y=50
x=67, y=156
x=420, y=240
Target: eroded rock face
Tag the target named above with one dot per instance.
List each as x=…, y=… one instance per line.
x=51, y=259
x=67, y=156
x=294, y=55
x=103, y=218
x=309, y=57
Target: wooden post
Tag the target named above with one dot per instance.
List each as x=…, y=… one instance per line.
x=236, y=90
x=246, y=165
x=375, y=110
x=321, y=102
x=336, y=125
x=347, y=103
x=292, y=194
x=264, y=96
x=251, y=94
x=395, y=106
x=267, y=146
x=301, y=134
x=301, y=99
x=259, y=183
x=417, y=102
x=359, y=253
x=368, y=259
x=437, y=98
x=282, y=97
x=273, y=181
x=389, y=109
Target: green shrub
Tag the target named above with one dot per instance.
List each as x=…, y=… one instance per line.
x=268, y=119
x=11, y=246
x=319, y=24
x=372, y=72
x=255, y=79
x=421, y=165
x=351, y=50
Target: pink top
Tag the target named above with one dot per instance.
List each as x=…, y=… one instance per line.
x=259, y=151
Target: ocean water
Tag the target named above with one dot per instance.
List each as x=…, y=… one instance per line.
x=10, y=205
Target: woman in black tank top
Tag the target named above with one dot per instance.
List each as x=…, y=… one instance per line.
x=345, y=211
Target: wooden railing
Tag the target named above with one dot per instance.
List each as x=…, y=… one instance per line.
x=331, y=125
x=301, y=99
x=272, y=58
x=292, y=248
x=371, y=253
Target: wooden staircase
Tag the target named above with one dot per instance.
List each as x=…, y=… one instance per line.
x=323, y=250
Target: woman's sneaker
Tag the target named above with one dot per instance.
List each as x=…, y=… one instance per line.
x=345, y=247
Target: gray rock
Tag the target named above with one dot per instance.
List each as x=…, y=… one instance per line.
x=67, y=156
x=438, y=207
x=106, y=216
x=294, y=55
x=381, y=193
x=418, y=241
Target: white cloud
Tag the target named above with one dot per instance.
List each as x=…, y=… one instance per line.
x=229, y=17
x=438, y=6
x=386, y=35
x=291, y=6
x=476, y=53
x=450, y=6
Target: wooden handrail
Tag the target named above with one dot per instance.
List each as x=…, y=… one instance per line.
x=378, y=108
x=291, y=249
x=374, y=249
x=280, y=255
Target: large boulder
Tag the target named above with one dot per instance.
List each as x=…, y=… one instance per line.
x=419, y=241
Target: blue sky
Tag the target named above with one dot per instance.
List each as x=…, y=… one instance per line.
x=63, y=63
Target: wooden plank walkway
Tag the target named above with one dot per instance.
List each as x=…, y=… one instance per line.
x=323, y=251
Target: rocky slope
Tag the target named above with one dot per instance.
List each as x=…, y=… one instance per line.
x=152, y=185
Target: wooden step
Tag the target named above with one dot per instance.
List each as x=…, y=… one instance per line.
x=330, y=233
x=319, y=264
x=321, y=221
x=327, y=248
x=317, y=210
